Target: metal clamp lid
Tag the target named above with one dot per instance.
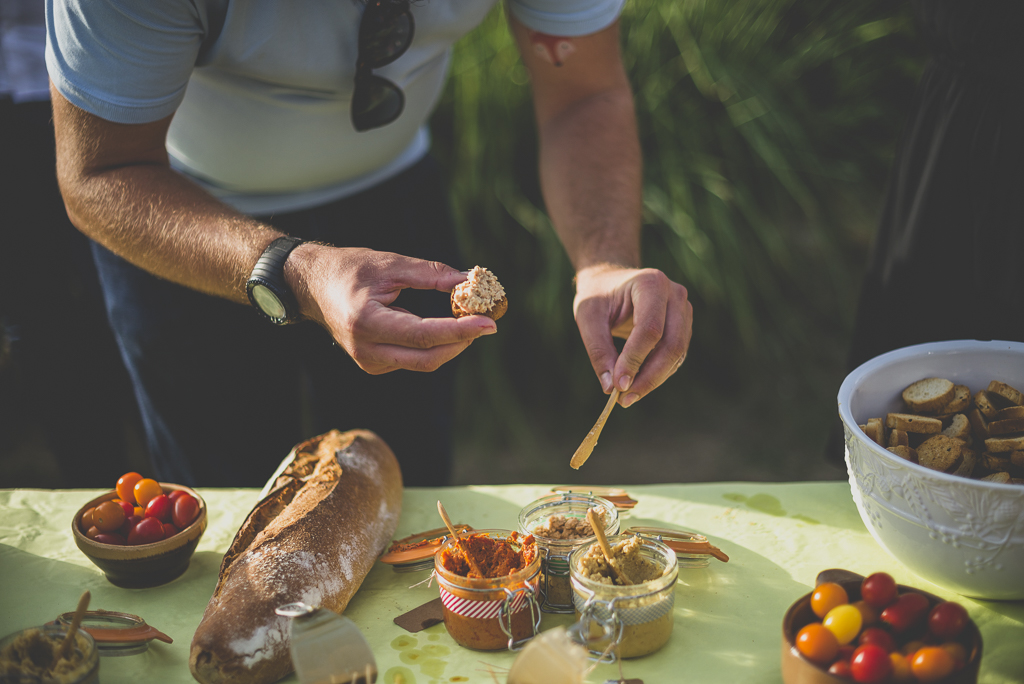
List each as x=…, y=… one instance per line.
x=416, y=552
x=128, y=634
x=681, y=541
x=618, y=497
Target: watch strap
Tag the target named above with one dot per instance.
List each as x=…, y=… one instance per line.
x=269, y=272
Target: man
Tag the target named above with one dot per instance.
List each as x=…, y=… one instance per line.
x=308, y=119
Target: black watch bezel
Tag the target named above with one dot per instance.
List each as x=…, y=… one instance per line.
x=269, y=272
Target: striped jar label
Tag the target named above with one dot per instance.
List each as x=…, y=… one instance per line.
x=480, y=609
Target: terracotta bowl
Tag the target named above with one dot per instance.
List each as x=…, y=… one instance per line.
x=145, y=565
x=798, y=670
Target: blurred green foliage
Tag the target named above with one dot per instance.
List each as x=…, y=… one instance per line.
x=767, y=128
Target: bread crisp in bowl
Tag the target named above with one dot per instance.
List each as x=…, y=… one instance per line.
x=480, y=294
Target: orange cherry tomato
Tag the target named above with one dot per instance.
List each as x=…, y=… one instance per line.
x=901, y=671
x=109, y=516
x=827, y=596
x=146, y=490
x=817, y=643
x=932, y=663
x=87, y=519
x=126, y=487
x=959, y=653
x=92, y=532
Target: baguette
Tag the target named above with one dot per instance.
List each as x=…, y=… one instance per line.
x=329, y=514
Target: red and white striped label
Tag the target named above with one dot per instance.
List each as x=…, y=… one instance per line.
x=477, y=608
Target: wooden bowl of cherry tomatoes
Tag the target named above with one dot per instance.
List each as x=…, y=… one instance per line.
x=871, y=630
x=143, y=533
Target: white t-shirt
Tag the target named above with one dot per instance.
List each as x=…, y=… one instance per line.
x=262, y=88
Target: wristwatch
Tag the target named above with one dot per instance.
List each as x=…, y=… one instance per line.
x=266, y=286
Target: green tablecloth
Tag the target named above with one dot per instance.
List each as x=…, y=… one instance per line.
x=727, y=616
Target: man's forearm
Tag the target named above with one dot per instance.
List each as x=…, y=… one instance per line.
x=591, y=175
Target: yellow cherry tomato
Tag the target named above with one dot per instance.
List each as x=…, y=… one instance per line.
x=901, y=671
x=146, y=490
x=827, y=596
x=845, y=622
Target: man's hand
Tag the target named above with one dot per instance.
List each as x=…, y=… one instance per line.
x=643, y=306
x=350, y=292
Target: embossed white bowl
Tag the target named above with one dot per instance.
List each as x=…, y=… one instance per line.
x=962, y=534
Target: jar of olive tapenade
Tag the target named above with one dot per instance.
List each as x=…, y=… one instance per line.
x=489, y=599
x=624, y=621
x=559, y=523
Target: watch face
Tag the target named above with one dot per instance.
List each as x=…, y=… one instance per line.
x=268, y=301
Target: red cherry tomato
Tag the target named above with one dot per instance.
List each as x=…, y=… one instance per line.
x=841, y=668
x=175, y=493
x=146, y=490
x=170, y=530
x=87, y=519
x=870, y=664
x=112, y=538
x=146, y=531
x=129, y=525
x=186, y=508
x=817, y=643
x=947, y=620
x=159, y=507
x=878, y=589
x=846, y=652
x=109, y=516
x=906, y=611
x=126, y=487
x=931, y=664
x=827, y=596
x=879, y=637
x=129, y=509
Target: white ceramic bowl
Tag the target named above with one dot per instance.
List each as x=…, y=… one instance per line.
x=961, y=534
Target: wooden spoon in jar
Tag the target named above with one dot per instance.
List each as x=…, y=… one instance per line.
x=619, y=574
x=458, y=540
x=69, y=638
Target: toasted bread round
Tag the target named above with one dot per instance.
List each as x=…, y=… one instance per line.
x=495, y=312
x=998, y=477
x=998, y=445
x=904, y=452
x=989, y=403
x=960, y=401
x=959, y=427
x=923, y=425
x=941, y=453
x=1014, y=396
x=929, y=395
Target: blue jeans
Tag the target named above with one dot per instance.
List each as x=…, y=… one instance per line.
x=224, y=395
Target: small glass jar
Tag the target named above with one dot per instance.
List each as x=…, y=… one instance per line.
x=489, y=613
x=555, y=587
x=626, y=621
x=82, y=668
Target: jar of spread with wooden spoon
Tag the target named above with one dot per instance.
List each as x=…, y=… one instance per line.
x=488, y=581
x=625, y=609
x=32, y=655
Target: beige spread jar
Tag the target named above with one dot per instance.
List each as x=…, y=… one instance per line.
x=559, y=524
x=625, y=621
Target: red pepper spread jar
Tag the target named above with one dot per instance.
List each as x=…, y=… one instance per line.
x=489, y=598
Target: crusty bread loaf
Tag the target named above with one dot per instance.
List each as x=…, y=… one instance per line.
x=313, y=538
x=929, y=395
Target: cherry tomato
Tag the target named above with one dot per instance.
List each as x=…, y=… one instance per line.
x=841, y=668
x=932, y=663
x=129, y=524
x=947, y=620
x=901, y=671
x=126, y=487
x=827, y=596
x=129, y=509
x=870, y=664
x=108, y=516
x=843, y=621
x=879, y=637
x=146, y=490
x=139, y=511
x=905, y=612
x=159, y=507
x=846, y=652
x=817, y=644
x=175, y=493
x=958, y=651
x=170, y=530
x=912, y=647
x=112, y=538
x=93, y=532
x=146, y=531
x=87, y=519
x=878, y=589
x=868, y=612
x=186, y=508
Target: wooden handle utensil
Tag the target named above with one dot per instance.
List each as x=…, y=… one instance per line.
x=458, y=540
x=69, y=639
x=602, y=541
x=590, y=441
